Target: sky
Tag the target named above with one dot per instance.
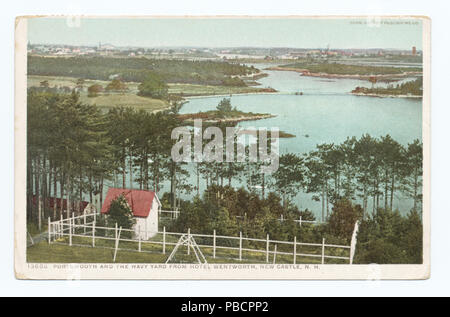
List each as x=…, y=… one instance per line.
x=229, y=32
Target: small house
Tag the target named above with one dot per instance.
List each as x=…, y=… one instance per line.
x=75, y=205
x=145, y=206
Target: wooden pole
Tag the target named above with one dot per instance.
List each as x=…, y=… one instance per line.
x=62, y=227
x=164, y=240
x=267, y=249
x=93, y=234
x=240, y=245
x=274, y=254
x=70, y=231
x=139, y=243
x=117, y=243
x=214, y=244
x=295, y=249
x=84, y=221
x=323, y=250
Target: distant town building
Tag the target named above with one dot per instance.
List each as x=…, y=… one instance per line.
x=414, y=51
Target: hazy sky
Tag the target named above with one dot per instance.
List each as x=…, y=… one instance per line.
x=226, y=32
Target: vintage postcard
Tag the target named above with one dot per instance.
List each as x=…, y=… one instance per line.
x=222, y=147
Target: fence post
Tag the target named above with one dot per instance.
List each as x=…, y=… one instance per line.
x=281, y=218
x=93, y=234
x=164, y=240
x=115, y=231
x=267, y=249
x=295, y=249
x=73, y=224
x=48, y=230
x=84, y=221
x=62, y=227
x=139, y=243
x=323, y=250
x=240, y=245
x=353, y=242
x=300, y=221
x=214, y=244
x=274, y=254
x=189, y=241
x=70, y=231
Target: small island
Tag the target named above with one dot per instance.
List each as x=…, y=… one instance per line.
x=410, y=89
x=339, y=70
x=215, y=116
x=224, y=113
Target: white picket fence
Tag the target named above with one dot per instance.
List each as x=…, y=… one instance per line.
x=300, y=221
x=172, y=214
x=85, y=226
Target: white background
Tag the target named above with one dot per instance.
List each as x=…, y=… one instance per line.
x=438, y=284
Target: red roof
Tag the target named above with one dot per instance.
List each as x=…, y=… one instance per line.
x=75, y=205
x=140, y=201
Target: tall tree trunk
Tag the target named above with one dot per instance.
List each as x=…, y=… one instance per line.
x=131, y=172
x=124, y=169
x=374, y=199
x=55, y=189
x=80, y=204
x=91, y=186
x=323, y=202
x=44, y=186
x=100, y=189
x=172, y=185
x=141, y=176
x=145, y=185
x=198, y=179
x=38, y=192
x=378, y=197
x=263, y=186
x=392, y=189
x=386, y=182
x=29, y=188
x=328, y=202
x=61, y=186
x=49, y=191
x=415, y=188
x=69, y=192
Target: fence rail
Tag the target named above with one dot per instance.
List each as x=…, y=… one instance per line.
x=301, y=221
x=173, y=214
x=85, y=226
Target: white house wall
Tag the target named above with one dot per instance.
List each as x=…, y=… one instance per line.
x=146, y=228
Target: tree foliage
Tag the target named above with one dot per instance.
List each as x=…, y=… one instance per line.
x=139, y=69
x=120, y=212
x=153, y=87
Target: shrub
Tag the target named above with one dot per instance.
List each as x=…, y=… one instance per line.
x=120, y=213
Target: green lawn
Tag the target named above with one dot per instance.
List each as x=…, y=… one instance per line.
x=82, y=252
x=103, y=100
x=107, y=101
